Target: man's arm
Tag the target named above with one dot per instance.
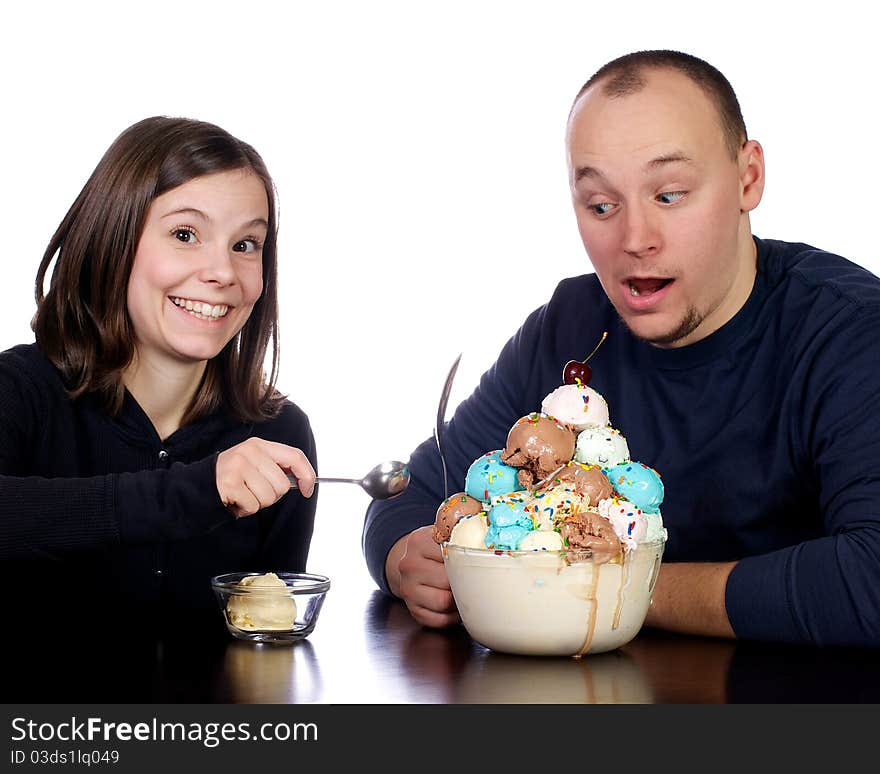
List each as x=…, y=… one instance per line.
x=689, y=598
x=823, y=590
x=820, y=590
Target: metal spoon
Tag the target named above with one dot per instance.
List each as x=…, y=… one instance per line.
x=386, y=480
x=441, y=421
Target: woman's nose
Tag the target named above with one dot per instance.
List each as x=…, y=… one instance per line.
x=218, y=266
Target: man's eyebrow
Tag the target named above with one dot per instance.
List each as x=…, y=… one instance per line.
x=676, y=157
x=669, y=158
x=585, y=171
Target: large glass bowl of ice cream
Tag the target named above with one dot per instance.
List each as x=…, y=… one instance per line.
x=555, y=544
x=552, y=603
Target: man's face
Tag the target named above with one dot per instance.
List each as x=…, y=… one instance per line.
x=661, y=205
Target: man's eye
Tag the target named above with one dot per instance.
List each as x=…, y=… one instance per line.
x=670, y=197
x=601, y=209
x=186, y=235
x=248, y=245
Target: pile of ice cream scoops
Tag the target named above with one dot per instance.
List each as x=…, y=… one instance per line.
x=564, y=481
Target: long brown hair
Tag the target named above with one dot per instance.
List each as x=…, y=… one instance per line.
x=82, y=322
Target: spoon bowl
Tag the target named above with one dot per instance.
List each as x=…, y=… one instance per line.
x=386, y=480
x=383, y=482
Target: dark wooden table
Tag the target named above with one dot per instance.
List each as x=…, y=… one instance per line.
x=366, y=649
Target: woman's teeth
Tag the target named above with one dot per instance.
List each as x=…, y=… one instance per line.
x=200, y=310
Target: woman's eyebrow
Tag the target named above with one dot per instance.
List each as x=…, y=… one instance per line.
x=187, y=211
x=204, y=216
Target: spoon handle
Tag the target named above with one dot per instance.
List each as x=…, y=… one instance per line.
x=441, y=419
x=442, y=463
x=294, y=485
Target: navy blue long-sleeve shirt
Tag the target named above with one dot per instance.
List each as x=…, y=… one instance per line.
x=766, y=434
x=101, y=520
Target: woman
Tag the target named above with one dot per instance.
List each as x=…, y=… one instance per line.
x=142, y=450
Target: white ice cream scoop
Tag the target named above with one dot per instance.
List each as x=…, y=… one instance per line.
x=577, y=406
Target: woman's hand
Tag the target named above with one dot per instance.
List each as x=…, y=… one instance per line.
x=253, y=475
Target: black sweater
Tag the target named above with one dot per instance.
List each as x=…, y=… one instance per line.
x=766, y=433
x=102, y=520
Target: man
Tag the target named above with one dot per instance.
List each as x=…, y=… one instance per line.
x=745, y=370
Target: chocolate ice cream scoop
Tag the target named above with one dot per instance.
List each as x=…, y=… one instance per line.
x=586, y=480
x=588, y=529
x=538, y=444
x=450, y=511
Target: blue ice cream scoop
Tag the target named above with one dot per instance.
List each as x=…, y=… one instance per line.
x=506, y=538
x=512, y=510
x=636, y=482
x=510, y=520
x=488, y=477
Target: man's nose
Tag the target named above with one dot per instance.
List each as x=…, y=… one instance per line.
x=641, y=236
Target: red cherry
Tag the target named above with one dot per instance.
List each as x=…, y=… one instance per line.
x=576, y=370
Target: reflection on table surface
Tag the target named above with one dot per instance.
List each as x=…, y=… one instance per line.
x=366, y=649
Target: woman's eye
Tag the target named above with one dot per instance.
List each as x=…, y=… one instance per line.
x=601, y=209
x=670, y=197
x=246, y=246
x=186, y=235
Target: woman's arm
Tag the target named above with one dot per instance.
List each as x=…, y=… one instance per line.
x=287, y=527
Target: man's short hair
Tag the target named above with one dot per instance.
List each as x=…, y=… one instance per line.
x=625, y=75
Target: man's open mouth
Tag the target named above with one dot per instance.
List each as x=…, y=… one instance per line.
x=646, y=286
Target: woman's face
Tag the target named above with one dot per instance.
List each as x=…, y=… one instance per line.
x=198, y=268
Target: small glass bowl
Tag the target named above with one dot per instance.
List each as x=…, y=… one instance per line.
x=257, y=614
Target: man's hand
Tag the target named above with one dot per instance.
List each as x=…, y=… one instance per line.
x=416, y=573
x=253, y=474
x=689, y=598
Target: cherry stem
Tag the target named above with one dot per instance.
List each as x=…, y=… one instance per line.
x=604, y=336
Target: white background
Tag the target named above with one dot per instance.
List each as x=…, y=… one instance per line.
x=418, y=154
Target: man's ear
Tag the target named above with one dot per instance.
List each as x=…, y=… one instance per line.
x=751, y=175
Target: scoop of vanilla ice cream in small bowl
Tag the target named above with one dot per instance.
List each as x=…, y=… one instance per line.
x=273, y=607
